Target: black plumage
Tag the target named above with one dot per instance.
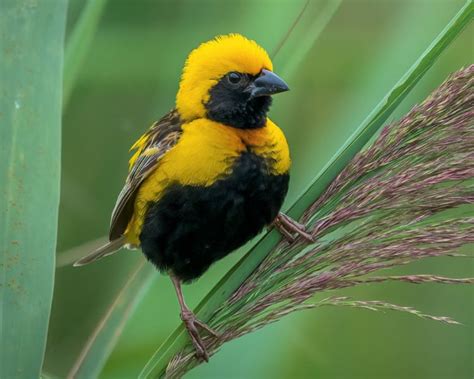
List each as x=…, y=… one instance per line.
x=231, y=104
x=190, y=228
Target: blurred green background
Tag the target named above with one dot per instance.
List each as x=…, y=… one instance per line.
x=129, y=79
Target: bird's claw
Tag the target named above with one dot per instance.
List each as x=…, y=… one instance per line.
x=287, y=226
x=191, y=322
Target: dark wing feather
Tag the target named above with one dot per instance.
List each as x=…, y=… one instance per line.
x=161, y=137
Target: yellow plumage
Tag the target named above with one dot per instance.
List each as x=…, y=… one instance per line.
x=205, y=152
x=209, y=62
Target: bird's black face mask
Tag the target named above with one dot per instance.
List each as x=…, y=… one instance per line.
x=242, y=100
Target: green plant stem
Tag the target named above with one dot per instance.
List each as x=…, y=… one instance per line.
x=305, y=36
x=102, y=340
x=78, y=44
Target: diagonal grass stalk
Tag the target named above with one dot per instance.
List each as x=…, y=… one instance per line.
x=92, y=358
x=78, y=44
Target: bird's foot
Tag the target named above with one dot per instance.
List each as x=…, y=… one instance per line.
x=191, y=322
x=288, y=227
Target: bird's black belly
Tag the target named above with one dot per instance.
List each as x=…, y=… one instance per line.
x=191, y=227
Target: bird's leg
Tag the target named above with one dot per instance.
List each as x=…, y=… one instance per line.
x=191, y=322
x=287, y=226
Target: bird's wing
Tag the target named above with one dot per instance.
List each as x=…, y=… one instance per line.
x=150, y=148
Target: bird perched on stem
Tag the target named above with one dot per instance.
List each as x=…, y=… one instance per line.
x=209, y=175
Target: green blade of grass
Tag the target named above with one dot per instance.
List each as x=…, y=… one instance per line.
x=97, y=349
x=156, y=366
x=306, y=29
x=79, y=42
x=31, y=40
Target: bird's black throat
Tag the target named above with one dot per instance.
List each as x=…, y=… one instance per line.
x=234, y=107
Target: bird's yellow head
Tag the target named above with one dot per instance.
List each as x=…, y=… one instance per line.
x=230, y=80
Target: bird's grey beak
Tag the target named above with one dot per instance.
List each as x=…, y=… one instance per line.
x=266, y=84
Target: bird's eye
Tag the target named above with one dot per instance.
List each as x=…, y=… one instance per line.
x=234, y=78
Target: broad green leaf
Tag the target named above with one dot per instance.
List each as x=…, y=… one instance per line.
x=31, y=43
x=178, y=339
x=79, y=42
x=97, y=349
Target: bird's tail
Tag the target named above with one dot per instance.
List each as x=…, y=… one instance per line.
x=108, y=249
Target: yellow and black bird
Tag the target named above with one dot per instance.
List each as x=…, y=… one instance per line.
x=209, y=175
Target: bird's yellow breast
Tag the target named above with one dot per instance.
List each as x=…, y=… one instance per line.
x=205, y=153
